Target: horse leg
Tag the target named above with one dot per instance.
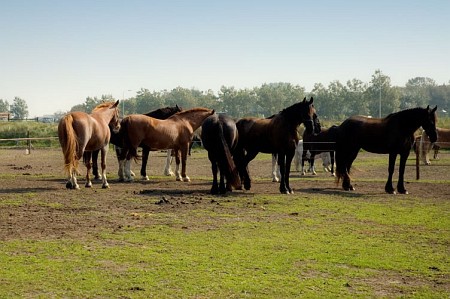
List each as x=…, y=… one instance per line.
x=87, y=162
x=214, y=168
x=311, y=164
x=177, y=162
x=274, y=168
x=332, y=163
x=401, y=172
x=95, y=165
x=388, y=187
x=349, y=155
x=104, y=152
x=145, y=154
x=184, y=153
x=167, y=170
x=303, y=161
x=72, y=182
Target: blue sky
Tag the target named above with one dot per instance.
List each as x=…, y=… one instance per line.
x=54, y=54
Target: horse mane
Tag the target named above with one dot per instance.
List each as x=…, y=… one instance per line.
x=191, y=110
x=404, y=111
x=103, y=105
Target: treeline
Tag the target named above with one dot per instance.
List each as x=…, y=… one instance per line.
x=336, y=101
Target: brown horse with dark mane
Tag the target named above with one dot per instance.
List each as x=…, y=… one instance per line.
x=160, y=113
x=393, y=135
x=173, y=133
x=79, y=132
x=275, y=135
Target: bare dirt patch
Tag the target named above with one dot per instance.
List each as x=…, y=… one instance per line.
x=54, y=212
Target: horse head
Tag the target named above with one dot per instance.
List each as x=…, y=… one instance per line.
x=308, y=115
x=114, y=123
x=429, y=123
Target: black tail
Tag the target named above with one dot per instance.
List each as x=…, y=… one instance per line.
x=225, y=161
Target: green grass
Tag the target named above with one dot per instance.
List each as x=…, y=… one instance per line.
x=262, y=247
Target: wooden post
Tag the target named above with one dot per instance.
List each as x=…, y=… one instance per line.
x=417, y=162
x=28, y=151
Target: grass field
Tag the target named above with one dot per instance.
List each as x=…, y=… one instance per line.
x=320, y=242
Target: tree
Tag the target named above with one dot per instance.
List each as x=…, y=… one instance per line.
x=382, y=99
x=4, y=105
x=19, y=108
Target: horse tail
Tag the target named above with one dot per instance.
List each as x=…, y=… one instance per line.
x=69, y=143
x=226, y=162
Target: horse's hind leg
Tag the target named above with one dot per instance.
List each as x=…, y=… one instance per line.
x=103, y=155
x=95, y=165
x=401, y=171
x=87, y=162
x=388, y=187
x=215, y=185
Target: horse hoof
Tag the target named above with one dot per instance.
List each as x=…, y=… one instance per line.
x=105, y=186
x=145, y=178
x=88, y=185
x=275, y=180
x=68, y=185
x=403, y=192
x=186, y=179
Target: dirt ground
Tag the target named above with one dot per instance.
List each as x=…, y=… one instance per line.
x=54, y=212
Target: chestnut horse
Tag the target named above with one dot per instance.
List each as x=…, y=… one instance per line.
x=219, y=136
x=79, y=132
x=173, y=133
x=442, y=141
x=275, y=135
x=393, y=135
x=161, y=113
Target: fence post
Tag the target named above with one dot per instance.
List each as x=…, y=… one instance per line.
x=28, y=150
x=417, y=163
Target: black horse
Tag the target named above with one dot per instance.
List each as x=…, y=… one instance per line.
x=277, y=135
x=219, y=136
x=116, y=139
x=323, y=140
x=393, y=135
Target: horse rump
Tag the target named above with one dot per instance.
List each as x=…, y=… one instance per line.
x=219, y=135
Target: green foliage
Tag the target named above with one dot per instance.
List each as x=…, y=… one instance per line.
x=19, y=108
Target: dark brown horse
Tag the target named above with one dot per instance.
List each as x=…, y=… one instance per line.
x=393, y=135
x=173, y=133
x=276, y=135
x=160, y=113
x=80, y=132
x=219, y=136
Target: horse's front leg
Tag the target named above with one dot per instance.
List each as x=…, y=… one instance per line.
x=145, y=154
x=283, y=182
x=167, y=170
x=176, y=153
x=87, y=162
x=275, y=169
x=388, y=187
x=184, y=153
x=104, y=152
x=400, y=184
x=312, y=160
x=289, y=157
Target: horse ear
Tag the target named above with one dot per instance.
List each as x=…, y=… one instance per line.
x=434, y=109
x=311, y=100
x=115, y=104
x=304, y=99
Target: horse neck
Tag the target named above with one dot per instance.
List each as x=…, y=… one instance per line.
x=195, y=119
x=410, y=120
x=104, y=115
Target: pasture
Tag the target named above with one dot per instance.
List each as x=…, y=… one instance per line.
x=167, y=239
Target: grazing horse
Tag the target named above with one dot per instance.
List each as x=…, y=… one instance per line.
x=80, y=132
x=173, y=133
x=393, y=135
x=442, y=141
x=276, y=135
x=323, y=141
x=161, y=113
x=219, y=136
